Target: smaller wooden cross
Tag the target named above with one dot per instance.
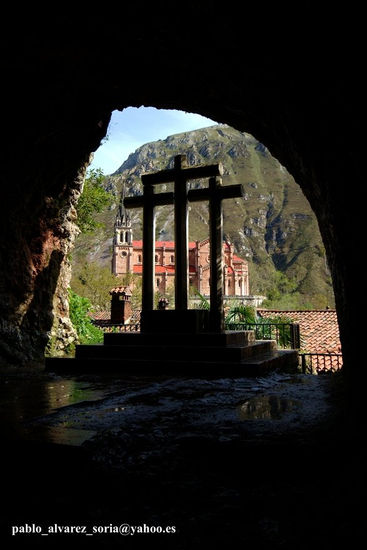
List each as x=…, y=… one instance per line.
x=215, y=194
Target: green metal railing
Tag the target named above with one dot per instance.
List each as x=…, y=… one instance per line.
x=286, y=335
x=320, y=363
x=106, y=326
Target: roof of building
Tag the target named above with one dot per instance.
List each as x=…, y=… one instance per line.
x=100, y=315
x=238, y=259
x=138, y=268
x=319, y=329
x=161, y=244
x=106, y=316
x=192, y=245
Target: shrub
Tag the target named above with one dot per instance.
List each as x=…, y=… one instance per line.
x=86, y=331
x=241, y=314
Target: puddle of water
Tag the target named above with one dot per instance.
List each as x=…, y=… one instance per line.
x=267, y=407
x=59, y=435
x=23, y=400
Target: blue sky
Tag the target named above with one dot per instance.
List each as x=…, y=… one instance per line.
x=132, y=127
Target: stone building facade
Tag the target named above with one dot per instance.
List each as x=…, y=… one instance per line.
x=128, y=258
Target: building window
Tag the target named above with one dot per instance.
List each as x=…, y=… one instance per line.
x=158, y=281
x=124, y=253
x=156, y=257
x=229, y=283
x=139, y=258
x=172, y=259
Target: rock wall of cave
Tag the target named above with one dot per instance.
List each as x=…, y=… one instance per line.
x=62, y=333
x=36, y=248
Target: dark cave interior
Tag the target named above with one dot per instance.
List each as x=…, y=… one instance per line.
x=295, y=86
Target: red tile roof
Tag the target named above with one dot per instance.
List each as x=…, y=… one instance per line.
x=138, y=268
x=106, y=316
x=100, y=315
x=160, y=244
x=319, y=329
x=237, y=259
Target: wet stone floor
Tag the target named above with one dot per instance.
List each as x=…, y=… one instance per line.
x=90, y=410
x=238, y=460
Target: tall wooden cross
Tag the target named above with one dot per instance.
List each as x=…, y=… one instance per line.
x=180, y=197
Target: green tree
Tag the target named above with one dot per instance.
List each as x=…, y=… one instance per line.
x=94, y=283
x=79, y=308
x=93, y=200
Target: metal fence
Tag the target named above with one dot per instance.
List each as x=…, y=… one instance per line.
x=286, y=335
x=320, y=363
x=108, y=327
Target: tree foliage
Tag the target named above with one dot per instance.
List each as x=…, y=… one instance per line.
x=94, y=282
x=93, y=200
x=241, y=314
x=204, y=302
x=79, y=308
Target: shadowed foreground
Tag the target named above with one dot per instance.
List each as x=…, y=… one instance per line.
x=261, y=462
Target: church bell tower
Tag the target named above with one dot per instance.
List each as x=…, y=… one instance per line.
x=122, y=243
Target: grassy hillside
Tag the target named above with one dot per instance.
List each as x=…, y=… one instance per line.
x=272, y=226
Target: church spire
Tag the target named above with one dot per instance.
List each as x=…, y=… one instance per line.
x=123, y=230
x=123, y=217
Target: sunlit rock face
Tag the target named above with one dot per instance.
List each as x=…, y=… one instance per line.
x=73, y=73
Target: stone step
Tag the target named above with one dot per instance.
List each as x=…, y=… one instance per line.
x=255, y=366
x=169, y=352
x=204, y=339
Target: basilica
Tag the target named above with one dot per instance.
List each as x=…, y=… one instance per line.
x=128, y=258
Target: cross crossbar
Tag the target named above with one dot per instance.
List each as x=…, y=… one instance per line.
x=224, y=192
x=191, y=173
x=159, y=199
x=193, y=195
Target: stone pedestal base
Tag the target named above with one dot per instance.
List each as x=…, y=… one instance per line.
x=179, y=343
x=190, y=321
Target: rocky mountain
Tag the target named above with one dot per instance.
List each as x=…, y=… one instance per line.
x=272, y=226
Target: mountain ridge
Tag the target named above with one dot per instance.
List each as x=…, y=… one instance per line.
x=272, y=225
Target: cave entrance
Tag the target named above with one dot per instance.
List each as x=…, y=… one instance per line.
x=273, y=228
x=253, y=228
